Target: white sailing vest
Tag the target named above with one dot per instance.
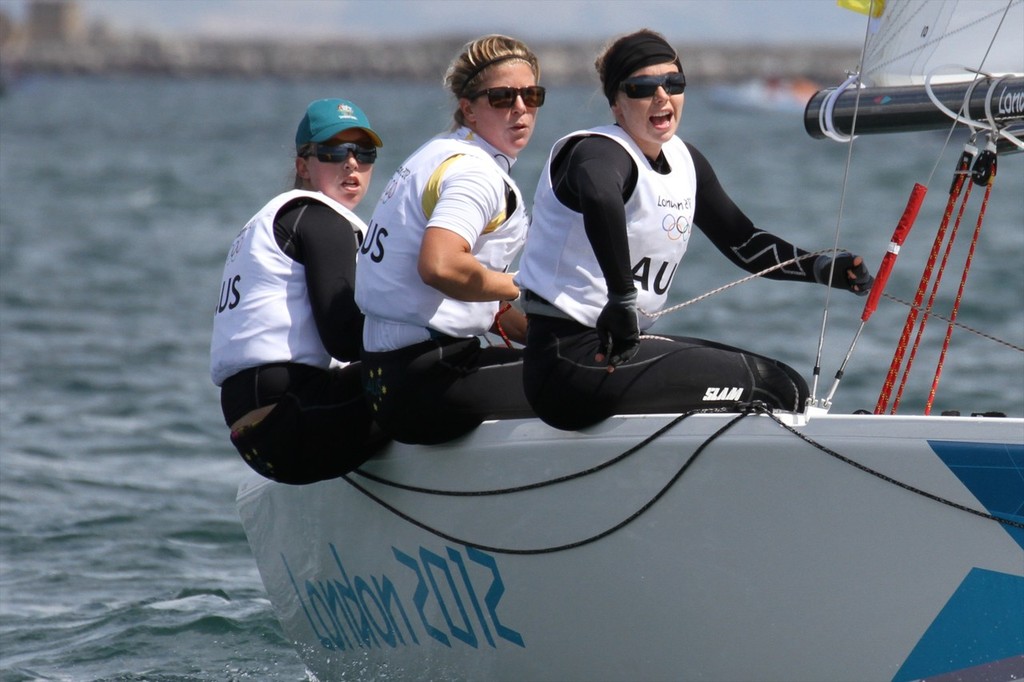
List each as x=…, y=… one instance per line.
x=558, y=262
x=400, y=309
x=264, y=314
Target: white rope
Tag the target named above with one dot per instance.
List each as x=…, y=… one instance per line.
x=825, y=122
x=708, y=294
x=1003, y=132
x=966, y=120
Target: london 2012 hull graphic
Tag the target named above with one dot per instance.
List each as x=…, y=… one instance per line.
x=896, y=554
x=347, y=613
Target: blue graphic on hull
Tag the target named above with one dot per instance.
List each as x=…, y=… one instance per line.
x=983, y=622
x=994, y=473
x=982, y=625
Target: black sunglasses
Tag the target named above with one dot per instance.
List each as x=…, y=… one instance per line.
x=639, y=87
x=341, y=153
x=505, y=97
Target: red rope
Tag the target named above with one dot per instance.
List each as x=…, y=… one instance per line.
x=497, y=323
x=960, y=292
x=901, y=346
x=931, y=298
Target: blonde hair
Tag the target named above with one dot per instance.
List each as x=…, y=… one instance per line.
x=465, y=72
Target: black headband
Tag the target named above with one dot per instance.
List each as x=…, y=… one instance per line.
x=631, y=54
x=490, y=62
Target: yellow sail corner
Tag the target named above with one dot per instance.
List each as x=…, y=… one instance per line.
x=872, y=8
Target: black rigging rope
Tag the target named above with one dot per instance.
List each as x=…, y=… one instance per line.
x=571, y=545
x=530, y=486
x=745, y=410
x=888, y=479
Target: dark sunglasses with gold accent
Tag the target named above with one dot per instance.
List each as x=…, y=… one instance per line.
x=341, y=152
x=505, y=97
x=640, y=87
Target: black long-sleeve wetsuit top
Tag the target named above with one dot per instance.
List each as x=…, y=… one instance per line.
x=595, y=176
x=315, y=235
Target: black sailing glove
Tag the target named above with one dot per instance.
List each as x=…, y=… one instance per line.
x=861, y=282
x=617, y=329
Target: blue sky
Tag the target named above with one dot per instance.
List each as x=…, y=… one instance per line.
x=725, y=21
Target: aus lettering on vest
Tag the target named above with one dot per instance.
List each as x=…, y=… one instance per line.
x=229, y=295
x=451, y=598
x=375, y=236
x=662, y=279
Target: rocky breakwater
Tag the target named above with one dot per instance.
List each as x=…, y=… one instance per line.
x=409, y=60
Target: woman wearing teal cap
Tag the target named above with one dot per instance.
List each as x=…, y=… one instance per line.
x=286, y=329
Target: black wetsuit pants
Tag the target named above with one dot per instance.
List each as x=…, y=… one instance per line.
x=436, y=390
x=320, y=428
x=570, y=390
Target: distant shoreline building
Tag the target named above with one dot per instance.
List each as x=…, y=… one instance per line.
x=57, y=21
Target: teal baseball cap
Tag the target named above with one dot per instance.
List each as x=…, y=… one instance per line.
x=325, y=118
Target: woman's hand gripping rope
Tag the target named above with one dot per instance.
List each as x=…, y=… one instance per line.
x=844, y=271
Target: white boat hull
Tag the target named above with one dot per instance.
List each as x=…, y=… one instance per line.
x=766, y=559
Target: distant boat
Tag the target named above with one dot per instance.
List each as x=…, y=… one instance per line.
x=785, y=95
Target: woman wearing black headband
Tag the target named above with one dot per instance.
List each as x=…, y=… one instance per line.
x=611, y=220
x=433, y=271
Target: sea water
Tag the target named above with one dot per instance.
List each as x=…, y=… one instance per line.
x=121, y=553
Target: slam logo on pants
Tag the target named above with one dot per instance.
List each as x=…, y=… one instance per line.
x=715, y=393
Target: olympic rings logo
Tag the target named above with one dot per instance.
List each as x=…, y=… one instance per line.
x=677, y=227
x=390, y=190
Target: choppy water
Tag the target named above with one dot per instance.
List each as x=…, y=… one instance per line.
x=121, y=554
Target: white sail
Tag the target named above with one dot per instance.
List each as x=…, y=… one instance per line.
x=944, y=40
x=923, y=62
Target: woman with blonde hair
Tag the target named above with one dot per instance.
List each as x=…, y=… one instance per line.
x=432, y=275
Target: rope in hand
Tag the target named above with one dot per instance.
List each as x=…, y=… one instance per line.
x=708, y=294
x=505, y=307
